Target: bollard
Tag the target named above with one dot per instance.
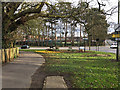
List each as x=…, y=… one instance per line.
x=17, y=51
x=14, y=52
x=0, y=56
x=3, y=56
x=7, y=57
x=11, y=54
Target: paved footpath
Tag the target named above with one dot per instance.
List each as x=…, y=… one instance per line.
x=17, y=74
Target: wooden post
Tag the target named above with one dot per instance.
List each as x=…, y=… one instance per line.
x=17, y=51
x=11, y=54
x=7, y=57
x=14, y=52
x=3, y=56
x=0, y=56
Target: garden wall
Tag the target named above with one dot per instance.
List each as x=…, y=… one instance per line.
x=8, y=55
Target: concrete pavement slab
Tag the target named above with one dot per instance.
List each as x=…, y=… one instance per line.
x=17, y=74
x=54, y=82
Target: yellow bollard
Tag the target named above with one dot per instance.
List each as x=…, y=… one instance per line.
x=14, y=52
x=3, y=56
x=0, y=56
x=17, y=51
x=11, y=54
x=7, y=57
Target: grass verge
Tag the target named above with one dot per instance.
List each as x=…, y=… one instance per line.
x=83, y=70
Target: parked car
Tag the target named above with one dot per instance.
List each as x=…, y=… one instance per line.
x=25, y=47
x=113, y=46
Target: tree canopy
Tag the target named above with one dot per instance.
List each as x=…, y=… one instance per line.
x=18, y=13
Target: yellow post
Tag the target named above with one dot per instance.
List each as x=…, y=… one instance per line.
x=14, y=52
x=3, y=56
x=0, y=56
x=7, y=55
x=17, y=51
x=11, y=54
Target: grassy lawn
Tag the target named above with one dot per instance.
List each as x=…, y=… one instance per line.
x=85, y=70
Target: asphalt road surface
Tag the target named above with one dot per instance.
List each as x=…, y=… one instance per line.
x=101, y=48
x=17, y=74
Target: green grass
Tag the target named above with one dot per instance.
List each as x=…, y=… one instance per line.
x=85, y=70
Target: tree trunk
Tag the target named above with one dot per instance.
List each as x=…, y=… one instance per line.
x=52, y=34
x=89, y=39
x=38, y=37
x=73, y=31
x=80, y=35
x=14, y=43
x=5, y=43
x=44, y=37
x=66, y=34
x=55, y=37
x=71, y=35
x=60, y=39
x=48, y=37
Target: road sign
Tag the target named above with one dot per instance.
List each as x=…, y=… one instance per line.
x=117, y=27
x=116, y=35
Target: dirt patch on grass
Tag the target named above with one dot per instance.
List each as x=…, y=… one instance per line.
x=38, y=77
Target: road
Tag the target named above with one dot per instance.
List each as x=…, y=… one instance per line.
x=101, y=48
